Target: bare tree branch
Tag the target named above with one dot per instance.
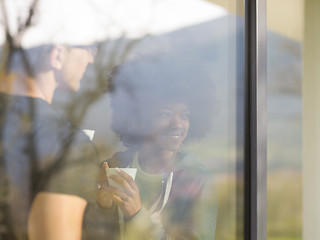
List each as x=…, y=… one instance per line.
x=103, y=77
x=13, y=43
x=27, y=24
x=8, y=45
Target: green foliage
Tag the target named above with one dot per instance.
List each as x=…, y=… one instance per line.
x=285, y=238
x=284, y=206
x=226, y=223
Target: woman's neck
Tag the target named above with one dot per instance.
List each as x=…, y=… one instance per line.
x=155, y=161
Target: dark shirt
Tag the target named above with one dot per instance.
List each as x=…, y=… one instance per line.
x=40, y=151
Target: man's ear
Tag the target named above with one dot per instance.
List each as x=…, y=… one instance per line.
x=56, y=57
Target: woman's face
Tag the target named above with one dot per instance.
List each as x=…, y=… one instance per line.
x=169, y=125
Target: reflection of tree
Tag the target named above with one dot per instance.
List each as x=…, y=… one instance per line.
x=13, y=42
x=99, y=80
x=11, y=45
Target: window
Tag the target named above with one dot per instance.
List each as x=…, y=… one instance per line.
x=212, y=102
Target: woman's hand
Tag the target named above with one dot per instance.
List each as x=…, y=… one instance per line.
x=128, y=196
x=104, y=195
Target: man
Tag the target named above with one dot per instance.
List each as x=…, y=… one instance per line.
x=48, y=166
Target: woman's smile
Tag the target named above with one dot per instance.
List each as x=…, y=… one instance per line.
x=169, y=125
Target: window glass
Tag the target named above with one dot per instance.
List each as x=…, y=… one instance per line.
x=284, y=118
x=151, y=86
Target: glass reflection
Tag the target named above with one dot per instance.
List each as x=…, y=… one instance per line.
x=161, y=97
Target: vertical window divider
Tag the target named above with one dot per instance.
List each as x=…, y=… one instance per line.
x=255, y=136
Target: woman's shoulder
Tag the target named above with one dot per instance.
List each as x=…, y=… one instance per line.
x=191, y=177
x=187, y=160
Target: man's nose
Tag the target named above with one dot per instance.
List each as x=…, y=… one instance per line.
x=90, y=58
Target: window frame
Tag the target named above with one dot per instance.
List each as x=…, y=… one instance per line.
x=255, y=111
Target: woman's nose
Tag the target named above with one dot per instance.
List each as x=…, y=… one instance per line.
x=176, y=122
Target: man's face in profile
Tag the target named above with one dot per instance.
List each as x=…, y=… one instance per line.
x=74, y=62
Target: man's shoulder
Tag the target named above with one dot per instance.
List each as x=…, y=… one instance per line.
x=55, y=125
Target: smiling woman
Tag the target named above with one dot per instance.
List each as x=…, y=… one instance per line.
x=154, y=112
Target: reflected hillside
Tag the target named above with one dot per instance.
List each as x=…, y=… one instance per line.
x=211, y=48
x=284, y=102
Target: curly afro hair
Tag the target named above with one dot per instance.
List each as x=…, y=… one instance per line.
x=140, y=84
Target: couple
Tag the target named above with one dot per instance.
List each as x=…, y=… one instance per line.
x=49, y=168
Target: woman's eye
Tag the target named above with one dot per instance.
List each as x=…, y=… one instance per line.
x=185, y=116
x=164, y=114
